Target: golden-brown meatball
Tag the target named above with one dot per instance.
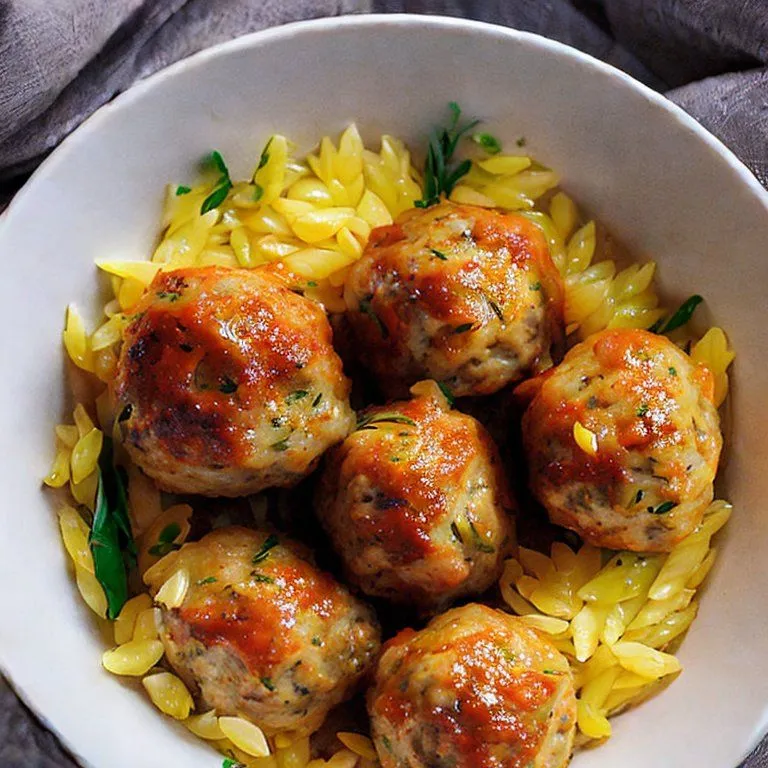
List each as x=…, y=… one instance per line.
x=416, y=502
x=623, y=441
x=261, y=632
x=476, y=688
x=228, y=382
x=456, y=293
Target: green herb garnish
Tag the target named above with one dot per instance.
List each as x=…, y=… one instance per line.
x=439, y=254
x=267, y=683
x=262, y=578
x=170, y=295
x=369, y=420
x=206, y=580
x=446, y=393
x=679, y=318
x=639, y=496
x=258, y=192
x=478, y=540
x=663, y=508
x=280, y=445
x=672, y=371
x=269, y=543
x=222, y=186
x=366, y=309
x=463, y=328
x=317, y=641
x=496, y=308
x=166, y=540
x=521, y=141
x=642, y=410
x=294, y=397
x=182, y=190
x=111, y=540
x=229, y=763
x=456, y=533
x=387, y=743
x=440, y=176
x=264, y=159
x=535, y=286
x=488, y=142
x=317, y=400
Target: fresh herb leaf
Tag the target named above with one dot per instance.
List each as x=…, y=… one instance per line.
x=672, y=371
x=642, y=410
x=446, y=393
x=267, y=683
x=551, y=672
x=216, y=198
x=262, y=578
x=206, y=580
x=264, y=159
x=387, y=743
x=478, y=540
x=663, y=508
x=463, y=328
x=639, y=496
x=317, y=641
x=229, y=763
x=456, y=532
x=111, y=540
x=370, y=419
x=535, y=286
x=679, y=318
x=440, y=176
x=294, y=397
x=311, y=284
x=228, y=386
x=182, y=190
x=269, y=543
x=496, y=308
x=366, y=309
x=439, y=254
x=170, y=295
x=280, y=445
x=223, y=183
x=488, y=142
x=165, y=541
x=317, y=400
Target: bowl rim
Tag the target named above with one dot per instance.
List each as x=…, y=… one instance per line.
x=327, y=25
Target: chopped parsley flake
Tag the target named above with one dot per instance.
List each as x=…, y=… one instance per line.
x=206, y=580
x=269, y=543
x=488, y=142
x=366, y=309
x=663, y=508
x=367, y=421
x=439, y=254
x=267, y=683
x=294, y=397
x=317, y=400
x=280, y=445
x=182, y=190
x=463, y=328
x=642, y=410
x=446, y=393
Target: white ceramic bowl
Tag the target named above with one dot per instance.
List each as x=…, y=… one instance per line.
x=634, y=160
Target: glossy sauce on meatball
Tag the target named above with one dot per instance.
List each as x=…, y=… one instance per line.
x=477, y=688
x=457, y=293
x=228, y=382
x=262, y=633
x=416, y=502
x=656, y=439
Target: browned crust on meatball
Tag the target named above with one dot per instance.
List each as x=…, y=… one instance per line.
x=216, y=381
x=465, y=295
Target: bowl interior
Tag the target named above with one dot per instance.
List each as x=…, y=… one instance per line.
x=663, y=185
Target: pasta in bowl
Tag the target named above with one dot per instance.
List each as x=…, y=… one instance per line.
x=614, y=616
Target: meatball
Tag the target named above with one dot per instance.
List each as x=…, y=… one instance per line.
x=261, y=632
x=623, y=441
x=416, y=502
x=477, y=688
x=464, y=295
x=228, y=383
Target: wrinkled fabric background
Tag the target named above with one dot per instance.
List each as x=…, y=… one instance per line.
x=62, y=59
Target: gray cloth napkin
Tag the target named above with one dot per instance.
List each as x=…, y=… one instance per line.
x=62, y=59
